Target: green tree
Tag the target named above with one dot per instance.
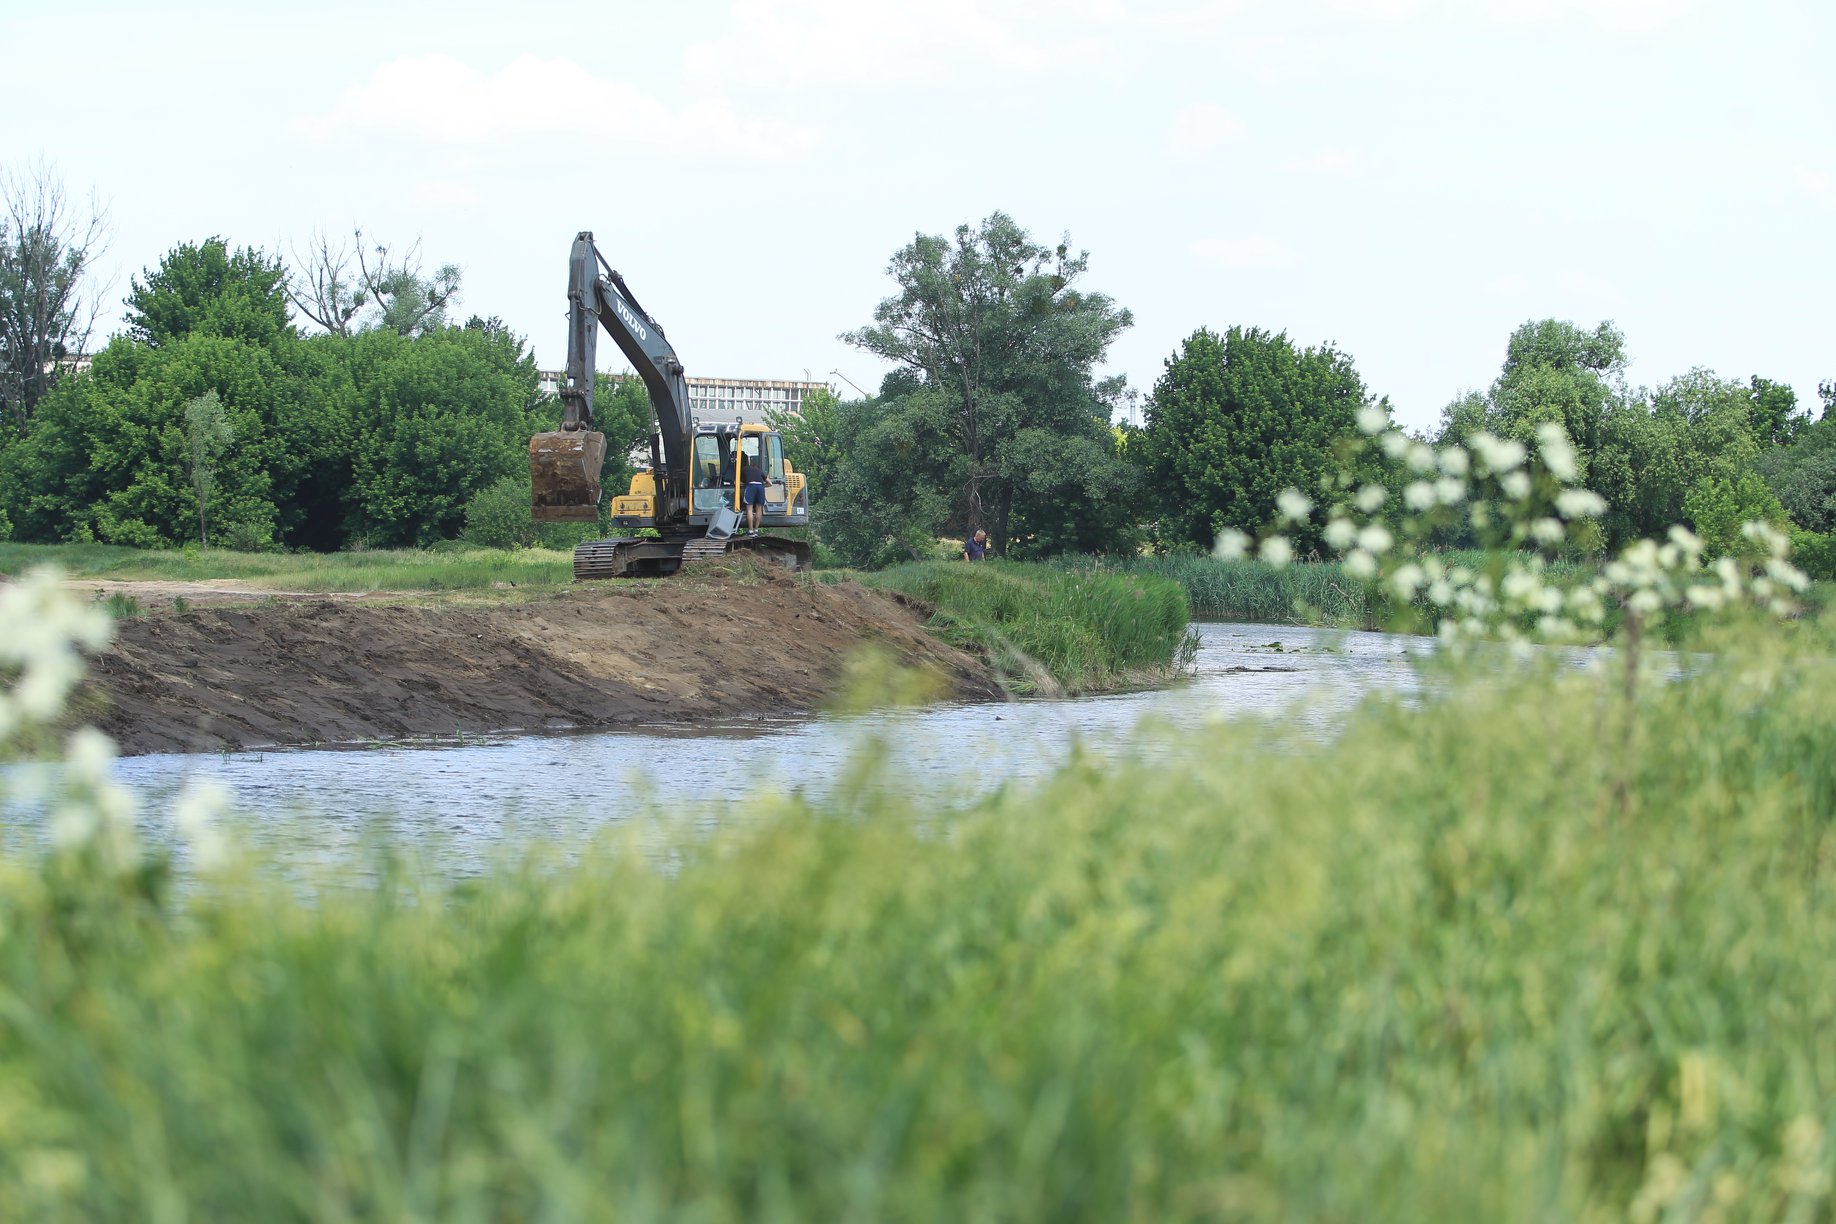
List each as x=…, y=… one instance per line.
x=207, y=432
x=813, y=435
x=1717, y=507
x=1237, y=418
x=1656, y=447
x=205, y=289
x=999, y=343
x=1804, y=476
x=436, y=418
x=1775, y=415
x=1553, y=371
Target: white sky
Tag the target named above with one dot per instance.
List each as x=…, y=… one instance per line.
x=1407, y=178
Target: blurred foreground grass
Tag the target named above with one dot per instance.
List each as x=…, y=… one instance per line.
x=448, y=568
x=1523, y=953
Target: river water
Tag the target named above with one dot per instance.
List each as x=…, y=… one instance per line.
x=469, y=798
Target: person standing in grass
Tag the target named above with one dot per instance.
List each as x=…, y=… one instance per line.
x=975, y=548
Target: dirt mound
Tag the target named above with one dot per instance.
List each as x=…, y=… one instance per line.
x=603, y=655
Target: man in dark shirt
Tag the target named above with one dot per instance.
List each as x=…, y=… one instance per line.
x=976, y=546
x=752, y=493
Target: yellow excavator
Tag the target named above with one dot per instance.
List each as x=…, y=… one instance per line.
x=691, y=492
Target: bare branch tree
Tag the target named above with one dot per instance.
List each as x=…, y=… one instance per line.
x=46, y=317
x=407, y=302
x=321, y=288
x=384, y=292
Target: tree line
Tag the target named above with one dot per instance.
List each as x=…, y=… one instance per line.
x=335, y=405
x=214, y=417
x=994, y=418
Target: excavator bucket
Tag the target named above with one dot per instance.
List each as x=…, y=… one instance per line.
x=564, y=475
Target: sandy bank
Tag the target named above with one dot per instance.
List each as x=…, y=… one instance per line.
x=330, y=671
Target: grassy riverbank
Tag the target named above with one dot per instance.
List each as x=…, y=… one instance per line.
x=453, y=567
x=1047, y=629
x=1525, y=953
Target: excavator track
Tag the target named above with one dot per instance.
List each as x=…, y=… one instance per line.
x=631, y=557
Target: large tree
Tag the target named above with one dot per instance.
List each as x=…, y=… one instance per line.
x=1237, y=418
x=1002, y=417
x=47, y=248
x=206, y=289
x=1553, y=371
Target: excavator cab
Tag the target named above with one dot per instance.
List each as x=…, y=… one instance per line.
x=564, y=467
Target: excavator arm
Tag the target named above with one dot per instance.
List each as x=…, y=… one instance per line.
x=560, y=462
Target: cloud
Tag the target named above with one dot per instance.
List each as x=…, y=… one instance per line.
x=1334, y=162
x=1625, y=15
x=790, y=44
x=1202, y=128
x=1820, y=185
x=1247, y=251
x=438, y=98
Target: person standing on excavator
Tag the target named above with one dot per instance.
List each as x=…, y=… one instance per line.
x=752, y=492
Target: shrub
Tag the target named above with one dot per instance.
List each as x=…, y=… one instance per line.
x=498, y=515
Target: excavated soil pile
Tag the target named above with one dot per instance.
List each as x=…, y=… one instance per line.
x=323, y=671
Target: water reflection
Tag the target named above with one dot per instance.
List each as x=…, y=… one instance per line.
x=469, y=797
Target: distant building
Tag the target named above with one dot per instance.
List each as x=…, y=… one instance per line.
x=728, y=399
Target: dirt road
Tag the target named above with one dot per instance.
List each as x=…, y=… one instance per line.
x=331, y=671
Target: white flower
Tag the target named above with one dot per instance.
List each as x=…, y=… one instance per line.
x=1418, y=495
x=1706, y=597
x=1644, y=601
x=1449, y=490
x=1277, y=551
x=1515, y=484
x=1554, y=629
x=1685, y=540
x=1232, y=545
x=1407, y=580
x=1557, y=452
x=1371, y=498
x=1454, y=461
x=1340, y=532
x=1360, y=565
x=1580, y=503
x=1519, y=585
x=1394, y=444
x=1440, y=593
x=1375, y=538
x=1787, y=573
x=1767, y=537
x=1294, y=505
x=1372, y=420
x=195, y=813
x=1547, y=531
x=1421, y=457
x=1498, y=454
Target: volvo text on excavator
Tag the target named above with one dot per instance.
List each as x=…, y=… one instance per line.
x=690, y=493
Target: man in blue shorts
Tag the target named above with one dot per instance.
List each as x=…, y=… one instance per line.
x=752, y=494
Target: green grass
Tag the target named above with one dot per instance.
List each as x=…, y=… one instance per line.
x=1520, y=954
x=451, y=568
x=1046, y=629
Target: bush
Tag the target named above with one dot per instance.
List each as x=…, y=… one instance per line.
x=1815, y=554
x=498, y=515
